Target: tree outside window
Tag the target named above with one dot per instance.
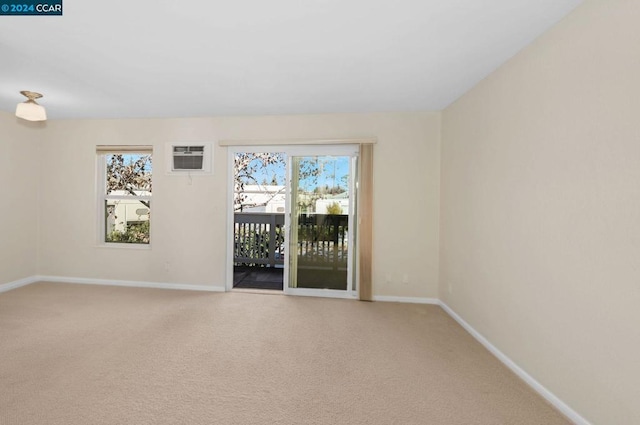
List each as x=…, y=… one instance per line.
x=126, y=199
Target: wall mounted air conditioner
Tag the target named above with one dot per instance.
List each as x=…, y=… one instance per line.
x=189, y=157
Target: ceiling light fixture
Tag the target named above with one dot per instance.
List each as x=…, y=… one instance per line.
x=30, y=110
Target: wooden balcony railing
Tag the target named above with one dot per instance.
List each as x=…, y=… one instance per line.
x=259, y=239
x=322, y=240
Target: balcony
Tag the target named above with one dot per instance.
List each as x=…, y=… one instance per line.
x=259, y=249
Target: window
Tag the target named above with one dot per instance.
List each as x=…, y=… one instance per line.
x=124, y=194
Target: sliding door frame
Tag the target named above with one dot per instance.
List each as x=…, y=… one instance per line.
x=352, y=152
x=290, y=150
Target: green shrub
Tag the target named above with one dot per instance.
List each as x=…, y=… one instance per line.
x=334, y=209
x=135, y=233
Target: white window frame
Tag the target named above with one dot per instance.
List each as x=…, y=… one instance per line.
x=102, y=197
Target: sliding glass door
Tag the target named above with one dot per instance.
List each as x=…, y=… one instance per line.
x=321, y=226
x=310, y=204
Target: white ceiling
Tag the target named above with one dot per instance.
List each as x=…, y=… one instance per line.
x=161, y=58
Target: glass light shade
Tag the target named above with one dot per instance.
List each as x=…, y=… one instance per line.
x=31, y=111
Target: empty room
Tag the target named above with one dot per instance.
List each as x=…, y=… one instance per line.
x=320, y=212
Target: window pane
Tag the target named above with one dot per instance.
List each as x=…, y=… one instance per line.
x=128, y=174
x=259, y=179
x=127, y=221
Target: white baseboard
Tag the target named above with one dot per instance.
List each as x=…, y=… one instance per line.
x=18, y=283
x=130, y=283
x=537, y=386
x=409, y=300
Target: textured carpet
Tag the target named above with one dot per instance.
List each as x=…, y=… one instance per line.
x=76, y=354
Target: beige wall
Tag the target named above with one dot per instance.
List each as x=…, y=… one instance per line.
x=19, y=176
x=189, y=221
x=540, y=207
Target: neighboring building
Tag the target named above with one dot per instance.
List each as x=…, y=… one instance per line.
x=264, y=198
x=122, y=213
x=272, y=199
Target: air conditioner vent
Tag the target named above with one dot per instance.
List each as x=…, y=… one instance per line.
x=188, y=158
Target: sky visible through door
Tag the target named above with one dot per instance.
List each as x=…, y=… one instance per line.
x=260, y=179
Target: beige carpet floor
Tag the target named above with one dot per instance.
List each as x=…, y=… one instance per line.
x=80, y=354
